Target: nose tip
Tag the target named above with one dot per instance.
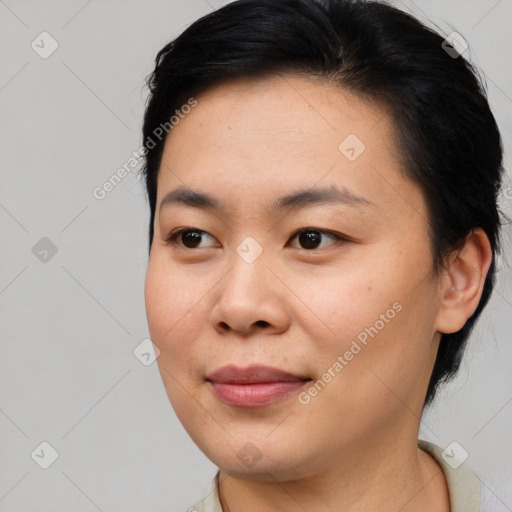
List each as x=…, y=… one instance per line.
x=249, y=300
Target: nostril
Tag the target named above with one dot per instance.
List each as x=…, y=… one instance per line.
x=259, y=323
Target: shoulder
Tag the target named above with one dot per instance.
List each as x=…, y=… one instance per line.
x=463, y=485
x=210, y=501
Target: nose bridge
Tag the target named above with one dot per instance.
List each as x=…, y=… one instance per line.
x=249, y=262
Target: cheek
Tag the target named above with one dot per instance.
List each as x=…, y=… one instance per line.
x=174, y=308
x=174, y=319
x=344, y=300
x=379, y=318
x=385, y=352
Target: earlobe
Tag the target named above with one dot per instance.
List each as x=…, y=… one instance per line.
x=462, y=282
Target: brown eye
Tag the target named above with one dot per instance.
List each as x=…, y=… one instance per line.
x=309, y=238
x=312, y=238
x=190, y=237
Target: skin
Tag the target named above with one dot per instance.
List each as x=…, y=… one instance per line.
x=353, y=447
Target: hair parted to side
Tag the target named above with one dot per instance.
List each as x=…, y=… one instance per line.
x=448, y=140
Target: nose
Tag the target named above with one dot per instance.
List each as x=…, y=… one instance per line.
x=251, y=299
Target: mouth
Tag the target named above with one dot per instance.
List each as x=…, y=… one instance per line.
x=255, y=386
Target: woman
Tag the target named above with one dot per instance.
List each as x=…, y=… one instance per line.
x=322, y=178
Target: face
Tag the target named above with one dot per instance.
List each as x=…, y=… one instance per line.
x=311, y=259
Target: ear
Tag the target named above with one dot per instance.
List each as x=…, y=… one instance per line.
x=462, y=282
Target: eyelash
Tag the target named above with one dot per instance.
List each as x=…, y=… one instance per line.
x=172, y=238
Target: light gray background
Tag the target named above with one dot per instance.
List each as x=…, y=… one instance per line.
x=68, y=375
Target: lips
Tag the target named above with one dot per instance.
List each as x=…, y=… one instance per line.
x=251, y=375
x=255, y=386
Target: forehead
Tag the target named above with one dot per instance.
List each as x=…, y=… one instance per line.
x=281, y=108
x=255, y=138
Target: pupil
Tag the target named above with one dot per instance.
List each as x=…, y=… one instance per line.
x=192, y=237
x=309, y=239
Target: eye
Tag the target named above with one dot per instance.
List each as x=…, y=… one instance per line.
x=190, y=237
x=310, y=238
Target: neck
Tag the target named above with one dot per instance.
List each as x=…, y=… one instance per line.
x=387, y=477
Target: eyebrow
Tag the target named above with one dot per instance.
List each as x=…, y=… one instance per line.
x=296, y=200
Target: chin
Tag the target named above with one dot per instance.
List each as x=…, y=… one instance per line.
x=257, y=458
